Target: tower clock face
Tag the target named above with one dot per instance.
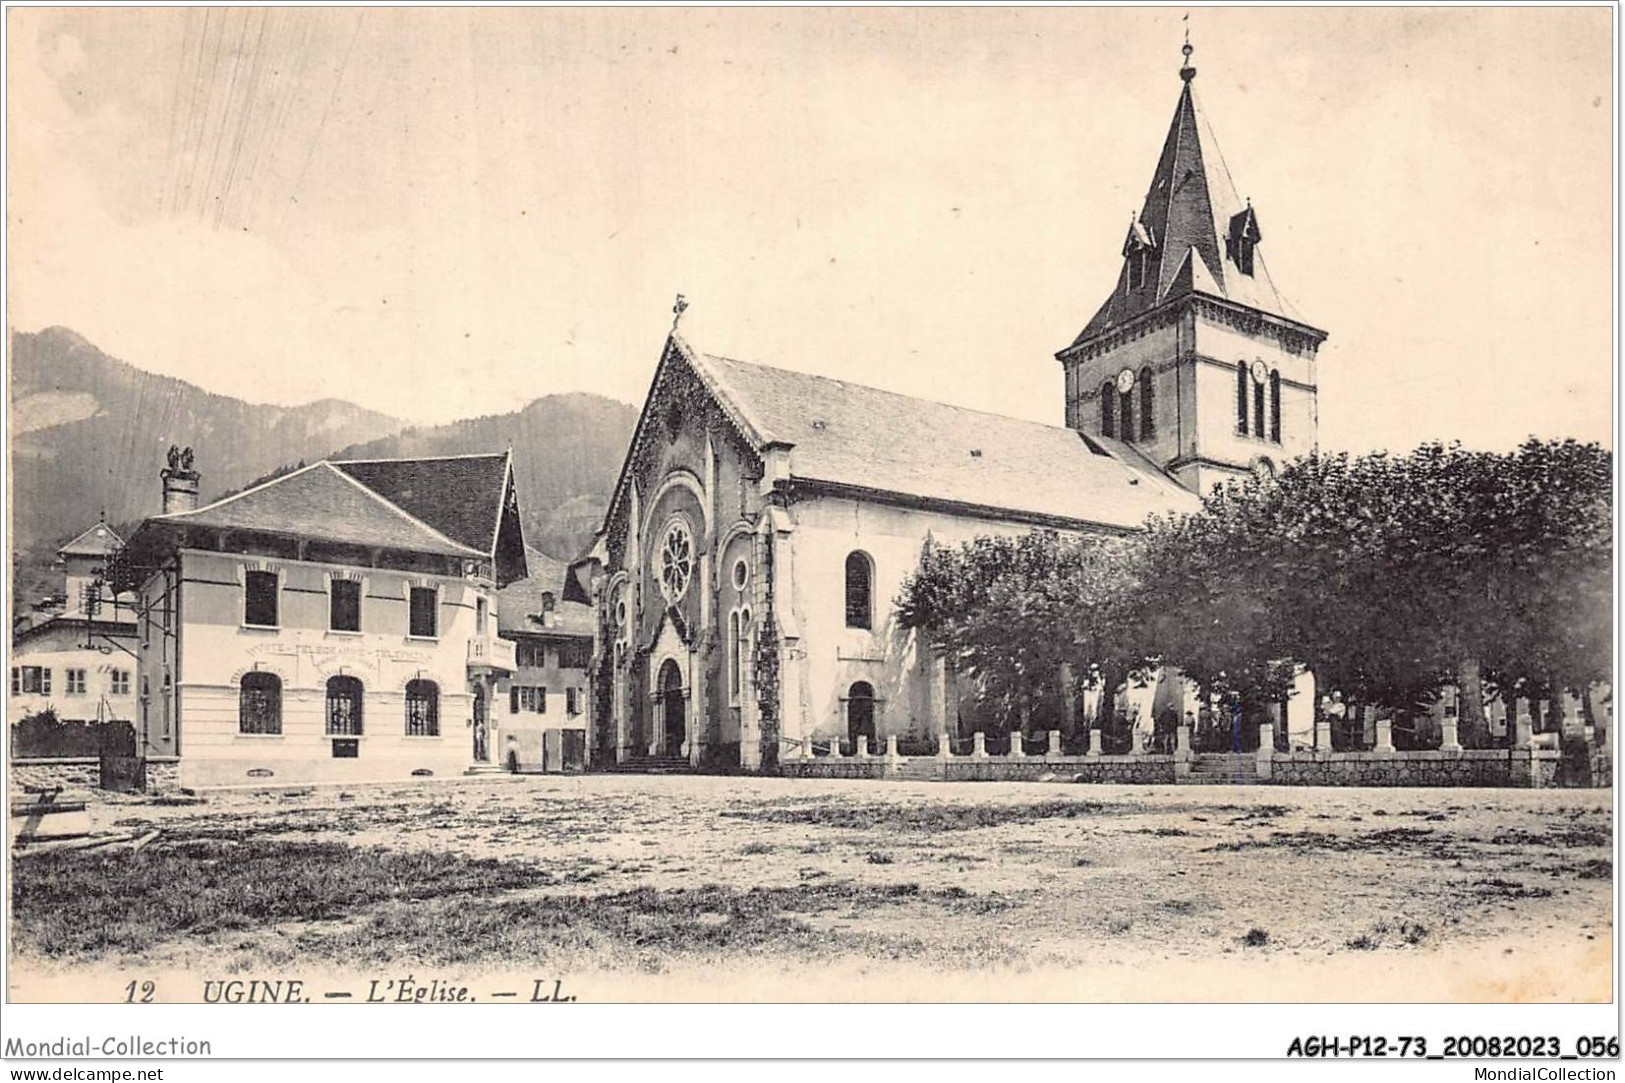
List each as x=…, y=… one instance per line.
x=1125, y=381
x=1259, y=372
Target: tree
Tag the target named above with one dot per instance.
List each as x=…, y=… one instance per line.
x=1020, y=614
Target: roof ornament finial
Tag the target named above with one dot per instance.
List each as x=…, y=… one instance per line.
x=677, y=311
x=1186, y=72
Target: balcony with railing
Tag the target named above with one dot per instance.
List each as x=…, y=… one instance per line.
x=491, y=652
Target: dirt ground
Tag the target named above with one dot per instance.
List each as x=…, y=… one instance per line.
x=690, y=888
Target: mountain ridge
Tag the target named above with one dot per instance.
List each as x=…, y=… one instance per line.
x=89, y=434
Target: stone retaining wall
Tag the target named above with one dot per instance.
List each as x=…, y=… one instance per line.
x=1516, y=768
x=834, y=767
x=56, y=773
x=85, y=773
x=1125, y=770
x=1522, y=768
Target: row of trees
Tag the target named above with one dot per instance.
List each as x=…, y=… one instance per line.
x=1388, y=576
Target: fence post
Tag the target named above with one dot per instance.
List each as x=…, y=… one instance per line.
x=1266, y=748
x=1054, y=744
x=1094, y=740
x=1016, y=748
x=1385, y=734
x=891, y=747
x=1449, y=737
x=1182, y=734
x=1323, y=731
x=1573, y=722
x=979, y=745
x=1522, y=726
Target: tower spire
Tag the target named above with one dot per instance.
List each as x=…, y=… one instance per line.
x=1186, y=72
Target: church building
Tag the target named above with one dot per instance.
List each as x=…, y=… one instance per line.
x=765, y=519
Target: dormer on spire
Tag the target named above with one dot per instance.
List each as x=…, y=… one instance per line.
x=1138, y=248
x=1240, y=239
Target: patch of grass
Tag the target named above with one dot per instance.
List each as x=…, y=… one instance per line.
x=1256, y=937
x=757, y=848
x=643, y=925
x=1180, y=906
x=1388, y=839
x=1119, y=925
x=1567, y=836
x=1362, y=942
x=67, y=904
x=875, y=857
x=1496, y=888
x=1162, y=832
x=936, y=817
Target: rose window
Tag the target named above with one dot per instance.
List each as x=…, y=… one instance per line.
x=676, y=562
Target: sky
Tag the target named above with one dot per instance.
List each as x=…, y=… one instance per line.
x=445, y=213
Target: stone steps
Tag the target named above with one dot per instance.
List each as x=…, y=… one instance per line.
x=652, y=765
x=1222, y=769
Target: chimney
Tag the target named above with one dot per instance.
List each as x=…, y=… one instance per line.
x=180, y=481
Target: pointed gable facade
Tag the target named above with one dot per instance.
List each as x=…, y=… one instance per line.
x=763, y=523
x=1195, y=356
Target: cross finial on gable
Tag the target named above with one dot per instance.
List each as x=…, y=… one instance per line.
x=677, y=311
x=1186, y=72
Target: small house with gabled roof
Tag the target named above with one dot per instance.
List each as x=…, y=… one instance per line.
x=335, y=623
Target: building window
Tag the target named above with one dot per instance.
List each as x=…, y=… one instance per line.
x=572, y=701
x=425, y=604
x=1108, y=409
x=1148, y=402
x=1275, y=407
x=741, y=574
x=527, y=698
x=33, y=680
x=734, y=661
x=676, y=561
x=1241, y=397
x=422, y=709
x=259, y=703
x=575, y=654
x=860, y=713
x=344, y=605
x=344, y=695
x=76, y=682
x=1258, y=409
x=121, y=682
x=259, y=599
x=1125, y=412
x=859, y=590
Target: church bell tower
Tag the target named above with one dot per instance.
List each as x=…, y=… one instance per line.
x=1195, y=362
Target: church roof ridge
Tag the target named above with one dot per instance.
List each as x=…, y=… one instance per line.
x=869, y=388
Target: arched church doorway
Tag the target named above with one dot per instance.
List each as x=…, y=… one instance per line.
x=860, y=713
x=671, y=707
